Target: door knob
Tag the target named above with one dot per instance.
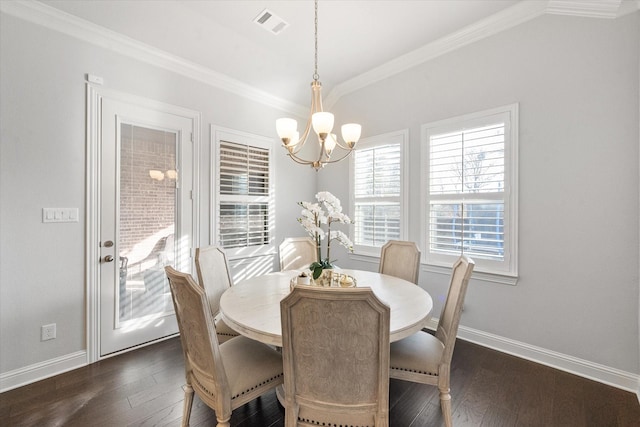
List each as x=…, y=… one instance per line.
x=108, y=258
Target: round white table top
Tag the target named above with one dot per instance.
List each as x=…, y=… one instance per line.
x=252, y=307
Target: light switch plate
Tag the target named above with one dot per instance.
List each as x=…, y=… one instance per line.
x=59, y=214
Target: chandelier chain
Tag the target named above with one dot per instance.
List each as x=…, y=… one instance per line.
x=315, y=70
x=320, y=122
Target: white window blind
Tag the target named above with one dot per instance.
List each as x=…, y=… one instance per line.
x=244, y=224
x=244, y=193
x=470, y=190
x=244, y=170
x=377, y=192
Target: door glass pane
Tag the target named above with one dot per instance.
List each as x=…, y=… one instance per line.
x=147, y=220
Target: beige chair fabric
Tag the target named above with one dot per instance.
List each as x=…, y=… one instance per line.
x=401, y=259
x=213, y=275
x=426, y=359
x=336, y=357
x=297, y=253
x=224, y=376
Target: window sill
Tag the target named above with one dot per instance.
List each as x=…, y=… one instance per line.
x=500, y=279
x=249, y=252
x=365, y=257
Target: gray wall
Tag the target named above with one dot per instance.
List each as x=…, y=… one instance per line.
x=42, y=164
x=576, y=81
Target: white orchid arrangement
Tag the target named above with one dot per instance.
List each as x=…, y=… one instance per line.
x=325, y=212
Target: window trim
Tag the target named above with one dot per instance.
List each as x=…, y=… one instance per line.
x=218, y=134
x=500, y=272
x=402, y=137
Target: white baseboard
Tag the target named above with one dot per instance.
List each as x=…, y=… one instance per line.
x=604, y=374
x=39, y=371
x=584, y=368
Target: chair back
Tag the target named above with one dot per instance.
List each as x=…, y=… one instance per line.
x=336, y=357
x=203, y=363
x=401, y=259
x=452, y=309
x=213, y=274
x=297, y=253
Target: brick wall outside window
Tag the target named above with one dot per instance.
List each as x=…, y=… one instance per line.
x=147, y=205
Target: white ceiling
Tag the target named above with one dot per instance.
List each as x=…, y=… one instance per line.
x=355, y=36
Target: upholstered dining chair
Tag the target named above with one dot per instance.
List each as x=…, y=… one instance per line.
x=213, y=275
x=335, y=349
x=224, y=376
x=401, y=259
x=297, y=253
x=426, y=359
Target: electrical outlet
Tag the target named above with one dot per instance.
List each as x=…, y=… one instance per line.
x=48, y=332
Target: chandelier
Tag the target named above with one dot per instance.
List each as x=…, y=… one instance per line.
x=322, y=124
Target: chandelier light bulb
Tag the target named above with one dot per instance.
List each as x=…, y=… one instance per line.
x=287, y=129
x=330, y=144
x=322, y=123
x=351, y=133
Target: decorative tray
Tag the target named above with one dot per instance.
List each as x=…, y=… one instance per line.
x=328, y=279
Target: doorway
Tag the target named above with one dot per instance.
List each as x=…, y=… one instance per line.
x=141, y=217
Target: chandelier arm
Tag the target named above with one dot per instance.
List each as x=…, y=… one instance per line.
x=315, y=87
x=317, y=165
x=344, y=147
x=299, y=160
x=323, y=152
x=336, y=160
x=303, y=139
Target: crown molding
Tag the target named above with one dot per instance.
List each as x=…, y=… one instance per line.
x=607, y=9
x=491, y=25
x=504, y=20
x=57, y=20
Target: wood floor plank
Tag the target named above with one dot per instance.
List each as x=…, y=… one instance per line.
x=537, y=385
x=468, y=414
x=144, y=388
x=568, y=401
x=499, y=416
x=430, y=415
x=416, y=397
x=172, y=398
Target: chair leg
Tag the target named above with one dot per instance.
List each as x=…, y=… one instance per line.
x=223, y=423
x=445, y=405
x=188, y=401
x=290, y=415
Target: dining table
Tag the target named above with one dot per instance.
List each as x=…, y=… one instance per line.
x=252, y=306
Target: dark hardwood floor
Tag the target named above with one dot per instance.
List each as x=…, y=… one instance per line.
x=143, y=388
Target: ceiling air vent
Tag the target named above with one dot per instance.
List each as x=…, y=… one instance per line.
x=270, y=22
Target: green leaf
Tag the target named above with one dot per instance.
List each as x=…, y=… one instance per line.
x=315, y=265
x=317, y=272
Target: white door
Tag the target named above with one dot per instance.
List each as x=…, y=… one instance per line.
x=145, y=220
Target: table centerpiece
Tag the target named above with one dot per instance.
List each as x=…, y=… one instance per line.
x=325, y=212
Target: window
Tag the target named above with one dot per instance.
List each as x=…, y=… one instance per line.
x=470, y=184
x=244, y=206
x=377, y=198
